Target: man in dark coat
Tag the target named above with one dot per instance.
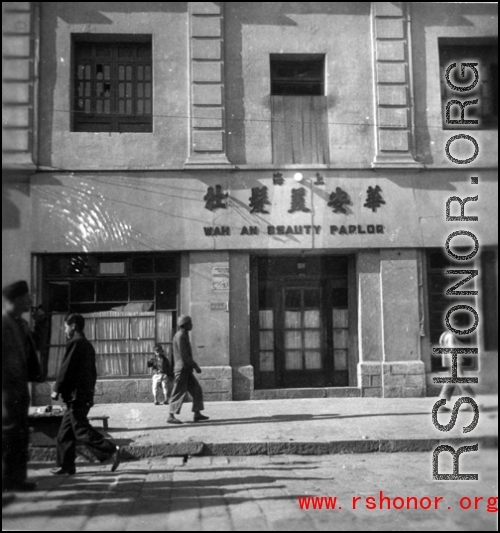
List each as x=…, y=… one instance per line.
x=20, y=364
x=76, y=383
x=185, y=382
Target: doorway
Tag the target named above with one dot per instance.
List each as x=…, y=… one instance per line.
x=304, y=322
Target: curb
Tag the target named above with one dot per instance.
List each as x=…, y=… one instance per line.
x=192, y=448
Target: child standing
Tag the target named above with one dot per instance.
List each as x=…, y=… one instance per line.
x=162, y=374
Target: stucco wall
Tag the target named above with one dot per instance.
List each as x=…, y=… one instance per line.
x=167, y=146
x=16, y=232
x=254, y=30
x=431, y=21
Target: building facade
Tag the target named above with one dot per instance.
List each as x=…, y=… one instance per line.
x=276, y=170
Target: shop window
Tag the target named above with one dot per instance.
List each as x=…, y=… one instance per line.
x=299, y=109
x=113, y=83
x=125, y=317
x=438, y=282
x=485, y=53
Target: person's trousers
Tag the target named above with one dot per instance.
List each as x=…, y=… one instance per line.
x=449, y=388
x=167, y=385
x=15, y=439
x=186, y=382
x=75, y=428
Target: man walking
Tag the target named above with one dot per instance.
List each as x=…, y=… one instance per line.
x=185, y=382
x=20, y=365
x=162, y=374
x=76, y=383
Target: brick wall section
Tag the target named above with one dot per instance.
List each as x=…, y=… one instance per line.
x=370, y=379
x=403, y=380
x=216, y=382
x=243, y=383
x=392, y=380
x=18, y=72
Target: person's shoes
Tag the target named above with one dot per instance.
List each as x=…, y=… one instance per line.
x=25, y=486
x=173, y=420
x=200, y=418
x=165, y=402
x=157, y=403
x=62, y=472
x=116, y=459
x=7, y=499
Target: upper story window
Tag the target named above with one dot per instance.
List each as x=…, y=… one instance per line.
x=485, y=53
x=299, y=109
x=297, y=75
x=112, y=83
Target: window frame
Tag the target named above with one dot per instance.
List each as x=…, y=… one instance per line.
x=128, y=277
x=118, y=123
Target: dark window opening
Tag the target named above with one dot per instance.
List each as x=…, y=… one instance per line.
x=112, y=83
x=485, y=53
x=297, y=75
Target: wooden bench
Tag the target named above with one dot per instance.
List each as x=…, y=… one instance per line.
x=103, y=418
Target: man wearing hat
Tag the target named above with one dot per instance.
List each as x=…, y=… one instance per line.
x=20, y=364
x=185, y=382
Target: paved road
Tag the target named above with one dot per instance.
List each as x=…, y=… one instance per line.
x=256, y=493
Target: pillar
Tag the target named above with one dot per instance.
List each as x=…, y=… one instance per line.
x=403, y=372
x=393, y=86
x=369, y=323
x=239, y=338
x=209, y=309
x=207, y=106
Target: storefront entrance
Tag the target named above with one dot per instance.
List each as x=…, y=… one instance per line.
x=304, y=322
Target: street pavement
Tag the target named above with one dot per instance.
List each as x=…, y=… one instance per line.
x=308, y=426
x=258, y=493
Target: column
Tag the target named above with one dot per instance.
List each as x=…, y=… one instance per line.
x=393, y=86
x=210, y=313
x=403, y=371
x=19, y=43
x=207, y=124
x=370, y=323
x=239, y=322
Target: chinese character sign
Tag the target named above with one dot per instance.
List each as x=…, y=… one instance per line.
x=215, y=198
x=339, y=200
x=259, y=200
x=374, y=199
x=299, y=201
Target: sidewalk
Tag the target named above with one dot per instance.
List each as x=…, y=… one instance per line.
x=306, y=427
